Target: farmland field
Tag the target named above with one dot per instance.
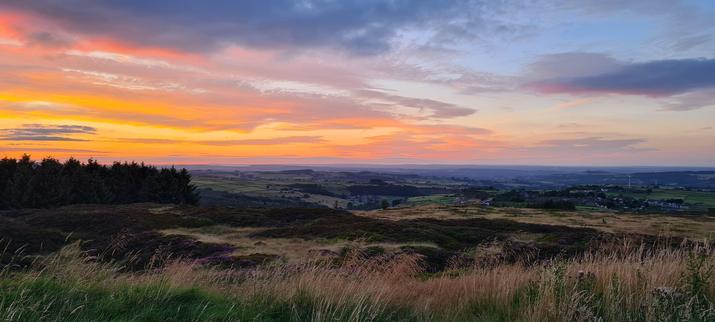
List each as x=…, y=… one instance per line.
x=700, y=198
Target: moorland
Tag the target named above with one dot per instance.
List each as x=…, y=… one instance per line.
x=337, y=245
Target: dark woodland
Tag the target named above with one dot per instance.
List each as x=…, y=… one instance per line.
x=25, y=183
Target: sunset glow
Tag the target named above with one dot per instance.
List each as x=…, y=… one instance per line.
x=316, y=82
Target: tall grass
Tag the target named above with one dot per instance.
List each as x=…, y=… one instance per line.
x=614, y=284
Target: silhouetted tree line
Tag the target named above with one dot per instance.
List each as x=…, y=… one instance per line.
x=25, y=183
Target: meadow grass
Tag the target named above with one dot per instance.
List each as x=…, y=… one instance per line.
x=617, y=283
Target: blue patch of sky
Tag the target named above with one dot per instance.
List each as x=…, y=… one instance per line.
x=622, y=36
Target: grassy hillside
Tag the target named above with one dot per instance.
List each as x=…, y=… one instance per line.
x=155, y=262
x=615, y=284
x=245, y=237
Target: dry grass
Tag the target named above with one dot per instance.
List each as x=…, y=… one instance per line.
x=621, y=283
x=289, y=250
x=695, y=227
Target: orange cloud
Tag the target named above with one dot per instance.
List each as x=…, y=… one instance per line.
x=149, y=102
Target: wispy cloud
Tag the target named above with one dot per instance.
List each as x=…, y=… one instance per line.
x=46, y=149
x=427, y=107
x=592, y=144
x=573, y=103
x=691, y=101
x=41, y=132
x=228, y=142
x=271, y=141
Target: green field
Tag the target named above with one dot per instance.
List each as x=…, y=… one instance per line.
x=700, y=199
x=335, y=187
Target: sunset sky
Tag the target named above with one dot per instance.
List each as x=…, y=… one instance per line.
x=358, y=81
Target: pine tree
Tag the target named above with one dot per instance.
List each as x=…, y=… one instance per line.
x=45, y=188
x=8, y=167
x=188, y=191
x=26, y=183
x=21, y=181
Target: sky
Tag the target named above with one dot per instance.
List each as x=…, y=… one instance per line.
x=230, y=82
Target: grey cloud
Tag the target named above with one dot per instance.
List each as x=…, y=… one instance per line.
x=48, y=39
x=688, y=83
x=37, y=138
x=358, y=26
x=662, y=77
x=571, y=64
x=49, y=149
x=41, y=132
x=686, y=43
x=691, y=101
